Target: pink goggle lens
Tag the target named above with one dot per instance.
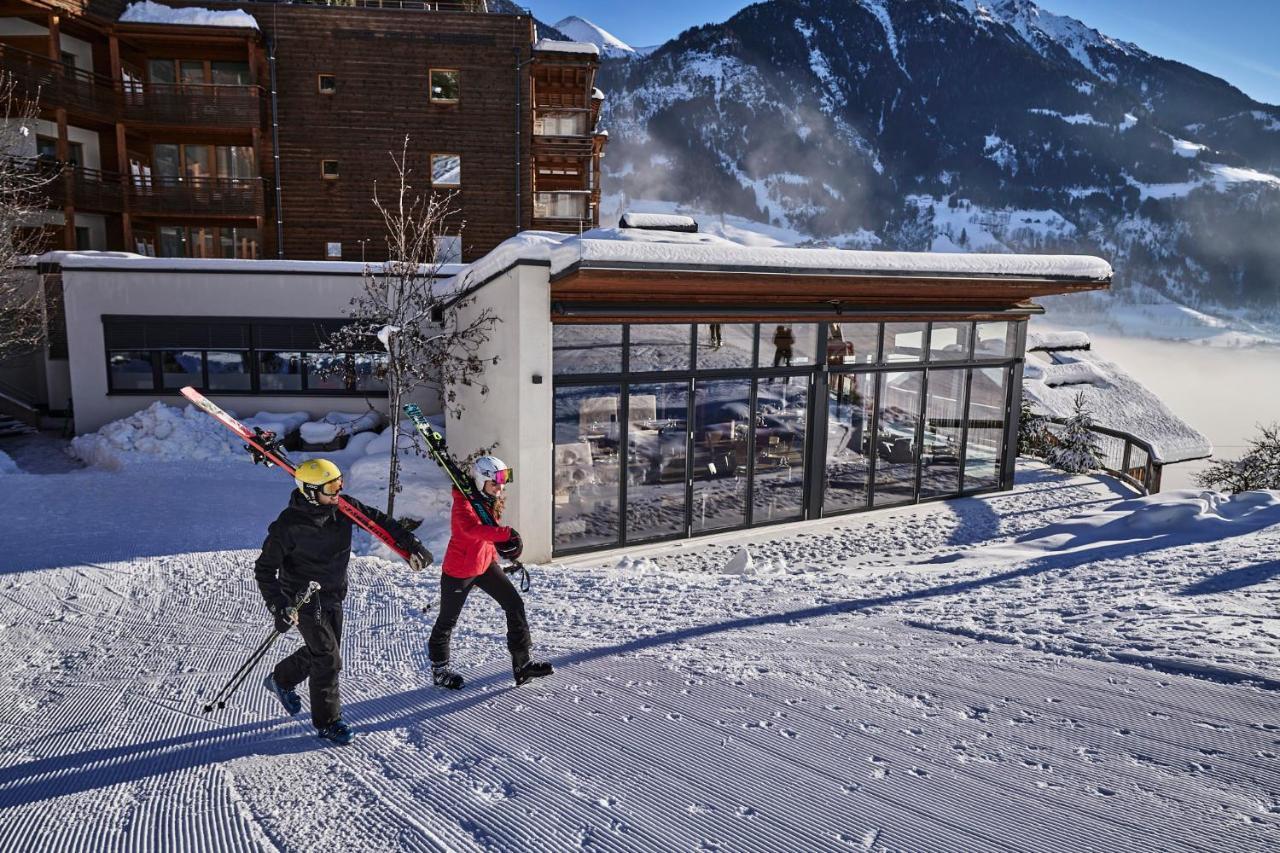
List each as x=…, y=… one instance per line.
x=504, y=477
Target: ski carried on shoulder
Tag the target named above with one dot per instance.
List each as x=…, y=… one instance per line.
x=439, y=451
x=265, y=447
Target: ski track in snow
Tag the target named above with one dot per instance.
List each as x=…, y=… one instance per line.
x=835, y=698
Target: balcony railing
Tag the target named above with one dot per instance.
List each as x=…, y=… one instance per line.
x=54, y=84
x=193, y=103
x=481, y=6
x=196, y=196
x=93, y=190
x=1123, y=455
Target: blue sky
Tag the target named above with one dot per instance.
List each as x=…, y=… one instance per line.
x=1233, y=39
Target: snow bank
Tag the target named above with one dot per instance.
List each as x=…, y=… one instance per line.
x=336, y=424
x=7, y=465
x=1074, y=373
x=148, y=12
x=665, y=221
x=159, y=433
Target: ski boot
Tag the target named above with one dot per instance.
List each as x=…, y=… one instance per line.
x=527, y=670
x=290, y=699
x=442, y=676
x=338, y=732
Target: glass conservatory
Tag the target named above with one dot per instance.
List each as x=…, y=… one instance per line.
x=672, y=430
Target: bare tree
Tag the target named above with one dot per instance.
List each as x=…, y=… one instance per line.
x=1258, y=468
x=407, y=309
x=23, y=203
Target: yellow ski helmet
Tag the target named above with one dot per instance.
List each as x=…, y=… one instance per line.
x=316, y=476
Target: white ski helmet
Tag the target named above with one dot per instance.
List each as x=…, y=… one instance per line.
x=491, y=468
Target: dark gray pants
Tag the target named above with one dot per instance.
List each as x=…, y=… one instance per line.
x=453, y=595
x=319, y=662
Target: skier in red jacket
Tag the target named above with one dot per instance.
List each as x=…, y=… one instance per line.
x=472, y=560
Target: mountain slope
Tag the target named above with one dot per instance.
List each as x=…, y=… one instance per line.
x=580, y=29
x=958, y=124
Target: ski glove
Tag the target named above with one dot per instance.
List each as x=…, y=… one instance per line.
x=283, y=622
x=419, y=556
x=512, y=548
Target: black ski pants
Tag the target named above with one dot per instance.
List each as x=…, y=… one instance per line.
x=319, y=661
x=453, y=595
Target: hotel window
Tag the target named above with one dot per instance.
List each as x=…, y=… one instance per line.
x=445, y=87
x=327, y=84
x=446, y=170
x=329, y=170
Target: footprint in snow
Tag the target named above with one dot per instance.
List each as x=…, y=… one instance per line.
x=1100, y=791
x=746, y=812
x=1158, y=715
x=1217, y=727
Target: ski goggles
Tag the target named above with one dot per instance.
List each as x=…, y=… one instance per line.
x=504, y=476
x=332, y=487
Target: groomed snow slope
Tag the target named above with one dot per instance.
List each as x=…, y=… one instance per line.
x=835, y=696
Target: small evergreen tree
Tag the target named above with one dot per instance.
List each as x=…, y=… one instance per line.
x=1075, y=450
x=1258, y=468
x=1032, y=431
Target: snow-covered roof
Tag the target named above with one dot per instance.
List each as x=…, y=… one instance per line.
x=143, y=263
x=660, y=221
x=1054, y=375
x=147, y=12
x=597, y=95
x=554, y=46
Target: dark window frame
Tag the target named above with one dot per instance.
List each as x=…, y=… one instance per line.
x=324, y=170
x=322, y=78
x=431, y=96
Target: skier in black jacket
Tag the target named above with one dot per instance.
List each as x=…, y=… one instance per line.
x=311, y=541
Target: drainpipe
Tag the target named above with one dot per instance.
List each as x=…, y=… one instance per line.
x=275, y=144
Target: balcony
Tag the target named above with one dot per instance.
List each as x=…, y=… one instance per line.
x=55, y=85
x=93, y=190
x=570, y=211
x=562, y=132
x=183, y=104
x=481, y=6
x=226, y=197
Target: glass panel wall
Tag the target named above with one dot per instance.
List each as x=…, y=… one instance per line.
x=586, y=349
x=853, y=343
x=903, y=342
x=585, y=475
x=721, y=432
x=725, y=346
x=659, y=347
x=988, y=394
x=280, y=371
x=943, y=433
x=788, y=344
x=229, y=371
x=995, y=340
x=657, y=433
x=949, y=341
x=850, y=408
x=896, y=451
x=181, y=368
x=131, y=371
x=782, y=425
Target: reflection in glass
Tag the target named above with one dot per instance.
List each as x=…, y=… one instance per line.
x=721, y=432
x=782, y=409
x=987, y=403
x=328, y=372
x=131, y=371
x=896, y=451
x=725, y=345
x=943, y=422
x=585, y=507
x=949, y=341
x=279, y=371
x=659, y=347
x=179, y=368
x=657, y=428
x=903, y=342
x=229, y=371
x=788, y=344
x=851, y=406
x=853, y=343
x=371, y=371
x=586, y=349
x=995, y=340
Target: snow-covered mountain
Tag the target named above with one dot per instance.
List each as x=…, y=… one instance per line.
x=987, y=125
x=580, y=29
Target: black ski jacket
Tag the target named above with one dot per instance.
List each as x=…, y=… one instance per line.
x=313, y=543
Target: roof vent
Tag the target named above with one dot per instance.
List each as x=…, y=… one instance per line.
x=659, y=222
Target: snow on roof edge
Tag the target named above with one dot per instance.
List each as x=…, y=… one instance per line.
x=555, y=46
x=148, y=12
x=87, y=260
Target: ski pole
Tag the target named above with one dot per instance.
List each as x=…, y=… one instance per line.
x=225, y=693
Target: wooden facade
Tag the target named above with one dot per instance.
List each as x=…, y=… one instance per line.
x=163, y=134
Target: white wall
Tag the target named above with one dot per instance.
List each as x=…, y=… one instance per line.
x=516, y=413
x=97, y=225
x=82, y=49
x=89, y=294
x=87, y=138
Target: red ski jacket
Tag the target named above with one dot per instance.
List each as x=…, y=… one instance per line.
x=470, y=550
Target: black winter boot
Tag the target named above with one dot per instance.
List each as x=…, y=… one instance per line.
x=443, y=676
x=530, y=670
